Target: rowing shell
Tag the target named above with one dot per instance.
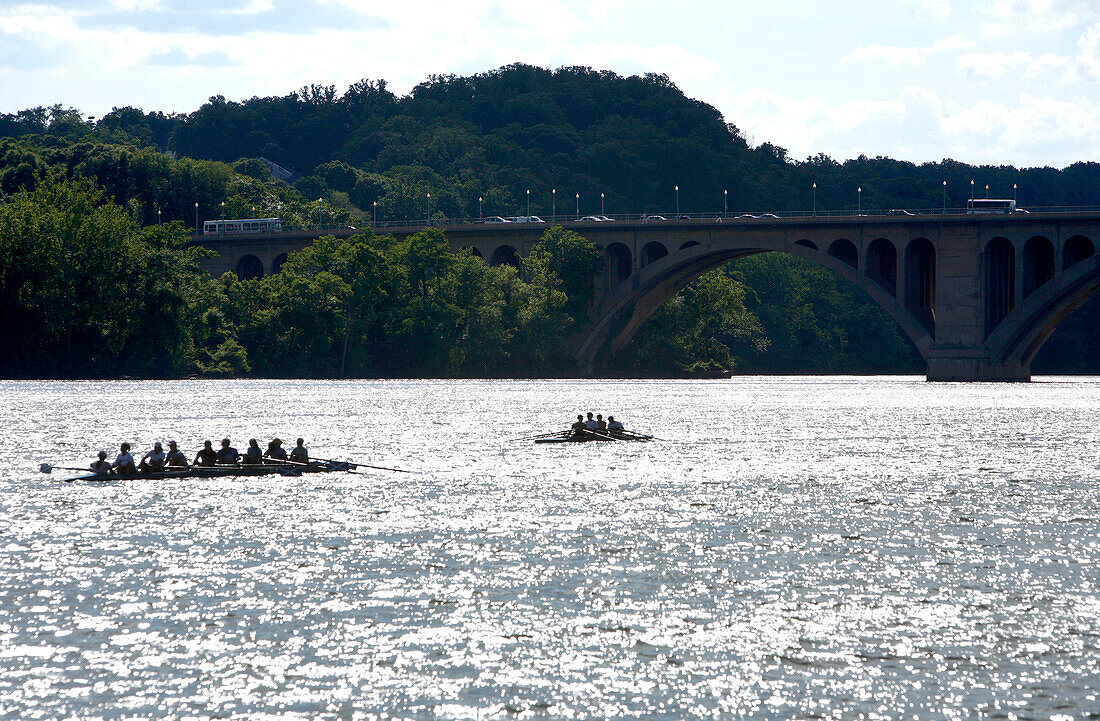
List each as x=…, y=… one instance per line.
x=588, y=437
x=221, y=472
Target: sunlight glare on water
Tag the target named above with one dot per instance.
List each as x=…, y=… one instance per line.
x=792, y=548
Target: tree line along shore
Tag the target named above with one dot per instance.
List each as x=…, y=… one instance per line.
x=97, y=278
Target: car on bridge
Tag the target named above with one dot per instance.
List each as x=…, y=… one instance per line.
x=497, y=219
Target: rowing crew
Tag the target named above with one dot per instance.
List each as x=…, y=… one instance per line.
x=159, y=460
x=597, y=424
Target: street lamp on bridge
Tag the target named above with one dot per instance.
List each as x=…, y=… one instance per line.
x=373, y=213
x=428, y=220
x=196, y=217
x=601, y=203
x=554, y=206
x=725, y=203
x=528, y=204
x=578, y=204
x=972, y=190
x=479, y=213
x=815, y=200
x=859, y=201
x=677, y=189
x=987, y=190
x=1013, y=192
x=945, y=197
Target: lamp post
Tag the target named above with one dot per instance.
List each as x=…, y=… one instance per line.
x=725, y=203
x=223, y=210
x=578, y=205
x=528, y=205
x=158, y=217
x=677, y=189
x=196, y=217
x=859, y=201
x=972, y=190
x=318, y=213
x=428, y=219
x=1013, y=192
x=479, y=213
x=601, y=203
x=815, y=200
x=987, y=190
x=373, y=213
x=945, y=197
x=554, y=206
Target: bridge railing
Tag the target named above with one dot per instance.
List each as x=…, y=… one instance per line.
x=655, y=218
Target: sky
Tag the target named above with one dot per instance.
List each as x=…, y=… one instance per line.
x=992, y=82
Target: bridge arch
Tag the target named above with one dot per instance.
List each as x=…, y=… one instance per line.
x=249, y=267
x=998, y=281
x=1024, y=331
x=618, y=264
x=806, y=244
x=473, y=251
x=845, y=251
x=652, y=251
x=689, y=244
x=625, y=310
x=277, y=264
x=1076, y=249
x=1038, y=263
x=920, y=282
x=505, y=255
x=882, y=264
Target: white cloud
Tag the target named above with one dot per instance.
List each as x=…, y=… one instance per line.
x=906, y=55
x=1025, y=17
x=919, y=125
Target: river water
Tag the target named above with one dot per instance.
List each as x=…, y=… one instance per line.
x=795, y=548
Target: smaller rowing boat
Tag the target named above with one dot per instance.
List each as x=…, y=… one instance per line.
x=595, y=437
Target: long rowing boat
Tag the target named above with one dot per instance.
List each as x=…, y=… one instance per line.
x=266, y=469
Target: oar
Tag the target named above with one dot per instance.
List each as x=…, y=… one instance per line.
x=353, y=465
x=605, y=436
x=47, y=468
x=544, y=435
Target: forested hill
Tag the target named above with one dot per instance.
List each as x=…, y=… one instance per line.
x=498, y=134
x=477, y=144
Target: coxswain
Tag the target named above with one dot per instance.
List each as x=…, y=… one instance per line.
x=601, y=424
x=614, y=426
x=298, y=453
x=154, y=460
x=227, y=454
x=253, y=456
x=101, y=467
x=207, y=456
x=124, y=462
x=591, y=424
x=175, y=457
x=275, y=450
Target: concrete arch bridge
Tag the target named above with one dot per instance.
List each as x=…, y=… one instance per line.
x=977, y=295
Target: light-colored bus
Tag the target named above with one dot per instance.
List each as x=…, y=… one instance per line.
x=243, y=225
x=979, y=206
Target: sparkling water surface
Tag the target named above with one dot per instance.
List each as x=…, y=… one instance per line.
x=794, y=548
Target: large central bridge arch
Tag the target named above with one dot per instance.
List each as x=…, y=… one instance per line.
x=630, y=303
